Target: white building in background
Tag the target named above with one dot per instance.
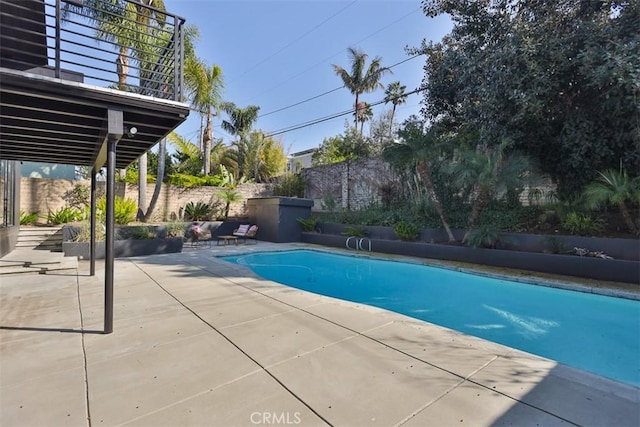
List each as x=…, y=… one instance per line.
x=300, y=160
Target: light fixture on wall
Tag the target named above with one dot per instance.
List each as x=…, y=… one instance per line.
x=132, y=131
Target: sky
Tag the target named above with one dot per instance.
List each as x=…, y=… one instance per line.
x=275, y=54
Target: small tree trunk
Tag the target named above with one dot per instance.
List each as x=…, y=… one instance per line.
x=628, y=219
x=425, y=172
x=122, y=68
x=142, y=186
x=208, y=136
x=162, y=150
x=478, y=206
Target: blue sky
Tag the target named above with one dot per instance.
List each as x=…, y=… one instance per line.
x=277, y=53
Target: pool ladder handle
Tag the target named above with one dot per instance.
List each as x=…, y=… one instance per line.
x=358, y=243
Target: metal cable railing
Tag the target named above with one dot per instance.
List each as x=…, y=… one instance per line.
x=119, y=44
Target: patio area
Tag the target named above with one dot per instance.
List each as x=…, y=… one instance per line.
x=198, y=341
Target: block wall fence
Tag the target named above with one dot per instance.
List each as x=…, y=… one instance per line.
x=44, y=195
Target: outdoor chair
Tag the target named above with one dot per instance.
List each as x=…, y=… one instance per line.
x=246, y=231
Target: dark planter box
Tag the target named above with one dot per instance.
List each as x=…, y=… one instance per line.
x=571, y=265
x=276, y=217
x=620, y=249
x=125, y=248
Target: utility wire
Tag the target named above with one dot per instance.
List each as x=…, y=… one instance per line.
x=336, y=115
x=297, y=39
x=337, y=53
x=328, y=92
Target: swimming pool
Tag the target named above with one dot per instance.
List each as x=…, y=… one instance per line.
x=596, y=333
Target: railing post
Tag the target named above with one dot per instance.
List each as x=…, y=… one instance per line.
x=57, y=41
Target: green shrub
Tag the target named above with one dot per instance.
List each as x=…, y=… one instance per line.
x=84, y=233
x=191, y=181
x=78, y=197
x=290, y=185
x=124, y=210
x=64, y=215
x=406, y=230
x=308, y=224
x=328, y=203
x=27, y=219
x=355, y=231
x=582, y=224
x=197, y=211
x=142, y=232
x=175, y=228
x=484, y=236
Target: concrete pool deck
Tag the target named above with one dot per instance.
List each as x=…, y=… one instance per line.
x=198, y=341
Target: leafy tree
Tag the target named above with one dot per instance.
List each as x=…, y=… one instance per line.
x=394, y=93
x=344, y=147
x=362, y=79
x=417, y=151
x=616, y=188
x=529, y=71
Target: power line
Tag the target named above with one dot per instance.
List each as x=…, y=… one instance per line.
x=297, y=39
x=328, y=92
x=337, y=53
x=336, y=115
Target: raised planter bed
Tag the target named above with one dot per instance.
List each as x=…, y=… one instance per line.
x=126, y=248
x=618, y=270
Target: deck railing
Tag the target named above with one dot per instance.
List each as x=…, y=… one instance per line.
x=120, y=44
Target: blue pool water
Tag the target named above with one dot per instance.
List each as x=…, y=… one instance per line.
x=596, y=333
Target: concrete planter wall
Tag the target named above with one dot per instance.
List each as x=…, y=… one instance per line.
x=125, y=248
x=620, y=249
x=594, y=268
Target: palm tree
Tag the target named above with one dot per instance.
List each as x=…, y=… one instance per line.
x=616, y=188
x=241, y=120
x=228, y=196
x=488, y=171
x=364, y=113
x=417, y=151
x=362, y=79
x=187, y=153
x=394, y=94
x=204, y=85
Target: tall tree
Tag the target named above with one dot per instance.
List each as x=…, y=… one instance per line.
x=204, y=84
x=394, y=93
x=240, y=120
x=417, y=151
x=529, y=71
x=363, y=78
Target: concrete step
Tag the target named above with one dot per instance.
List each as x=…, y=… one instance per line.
x=40, y=237
x=29, y=261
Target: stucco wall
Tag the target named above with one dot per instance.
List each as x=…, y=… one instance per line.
x=44, y=195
